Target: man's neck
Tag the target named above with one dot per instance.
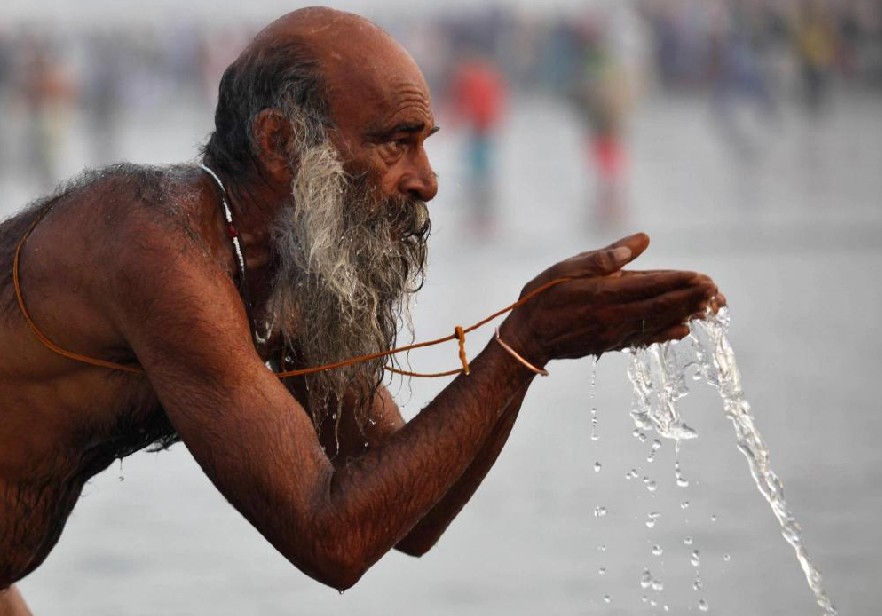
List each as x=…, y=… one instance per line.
x=255, y=204
x=254, y=210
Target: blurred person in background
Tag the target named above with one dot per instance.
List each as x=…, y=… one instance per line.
x=602, y=94
x=102, y=94
x=46, y=97
x=815, y=40
x=741, y=97
x=478, y=99
x=146, y=305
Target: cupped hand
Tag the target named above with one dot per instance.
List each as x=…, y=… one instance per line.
x=600, y=307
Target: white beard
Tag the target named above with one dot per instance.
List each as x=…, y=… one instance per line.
x=348, y=265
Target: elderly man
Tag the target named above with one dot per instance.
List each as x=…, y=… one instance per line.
x=144, y=305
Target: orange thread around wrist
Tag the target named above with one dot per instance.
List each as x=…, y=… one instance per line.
x=517, y=356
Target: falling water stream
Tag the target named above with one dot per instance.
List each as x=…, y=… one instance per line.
x=659, y=374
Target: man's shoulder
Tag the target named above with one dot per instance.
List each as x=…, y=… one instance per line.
x=123, y=220
x=117, y=191
x=163, y=190
x=140, y=200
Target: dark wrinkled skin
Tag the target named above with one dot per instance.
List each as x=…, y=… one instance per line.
x=135, y=267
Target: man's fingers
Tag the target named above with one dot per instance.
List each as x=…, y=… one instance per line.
x=610, y=259
x=677, y=332
x=617, y=290
x=663, y=311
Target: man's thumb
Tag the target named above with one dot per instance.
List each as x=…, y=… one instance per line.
x=608, y=261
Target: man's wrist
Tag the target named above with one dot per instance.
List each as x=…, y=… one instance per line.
x=517, y=356
x=522, y=359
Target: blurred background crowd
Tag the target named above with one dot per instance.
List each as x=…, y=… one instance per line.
x=748, y=58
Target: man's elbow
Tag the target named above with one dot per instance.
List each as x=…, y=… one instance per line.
x=339, y=574
x=340, y=562
x=342, y=570
x=341, y=580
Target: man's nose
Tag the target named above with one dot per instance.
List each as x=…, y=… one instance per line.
x=419, y=181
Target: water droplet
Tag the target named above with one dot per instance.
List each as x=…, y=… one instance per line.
x=646, y=579
x=651, y=486
x=599, y=512
x=594, y=435
x=682, y=483
x=696, y=585
x=597, y=467
x=666, y=608
x=688, y=540
x=601, y=571
x=653, y=603
x=607, y=599
x=713, y=518
x=695, y=558
x=684, y=505
x=658, y=585
x=601, y=548
x=657, y=550
x=702, y=605
x=656, y=445
x=726, y=557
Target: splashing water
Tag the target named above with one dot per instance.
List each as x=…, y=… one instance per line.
x=658, y=373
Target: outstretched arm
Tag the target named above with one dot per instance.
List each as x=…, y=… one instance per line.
x=351, y=438
x=430, y=528
x=185, y=322
x=432, y=525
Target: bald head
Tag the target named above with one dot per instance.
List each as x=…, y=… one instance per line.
x=321, y=28
x=338, y=39
x=314, y=58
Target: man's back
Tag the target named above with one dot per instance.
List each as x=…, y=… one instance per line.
x=63, y=420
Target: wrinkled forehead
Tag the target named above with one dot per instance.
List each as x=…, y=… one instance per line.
x=370, y=78
x=366, y=72
x=377, y=83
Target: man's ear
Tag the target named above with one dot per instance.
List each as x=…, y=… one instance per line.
x=272, y=135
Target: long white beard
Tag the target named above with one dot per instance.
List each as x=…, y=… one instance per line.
x=348, y=265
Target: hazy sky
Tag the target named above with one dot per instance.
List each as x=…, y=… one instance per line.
x=78, y=11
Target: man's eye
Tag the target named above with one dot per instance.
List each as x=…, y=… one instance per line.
x=397, y=146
